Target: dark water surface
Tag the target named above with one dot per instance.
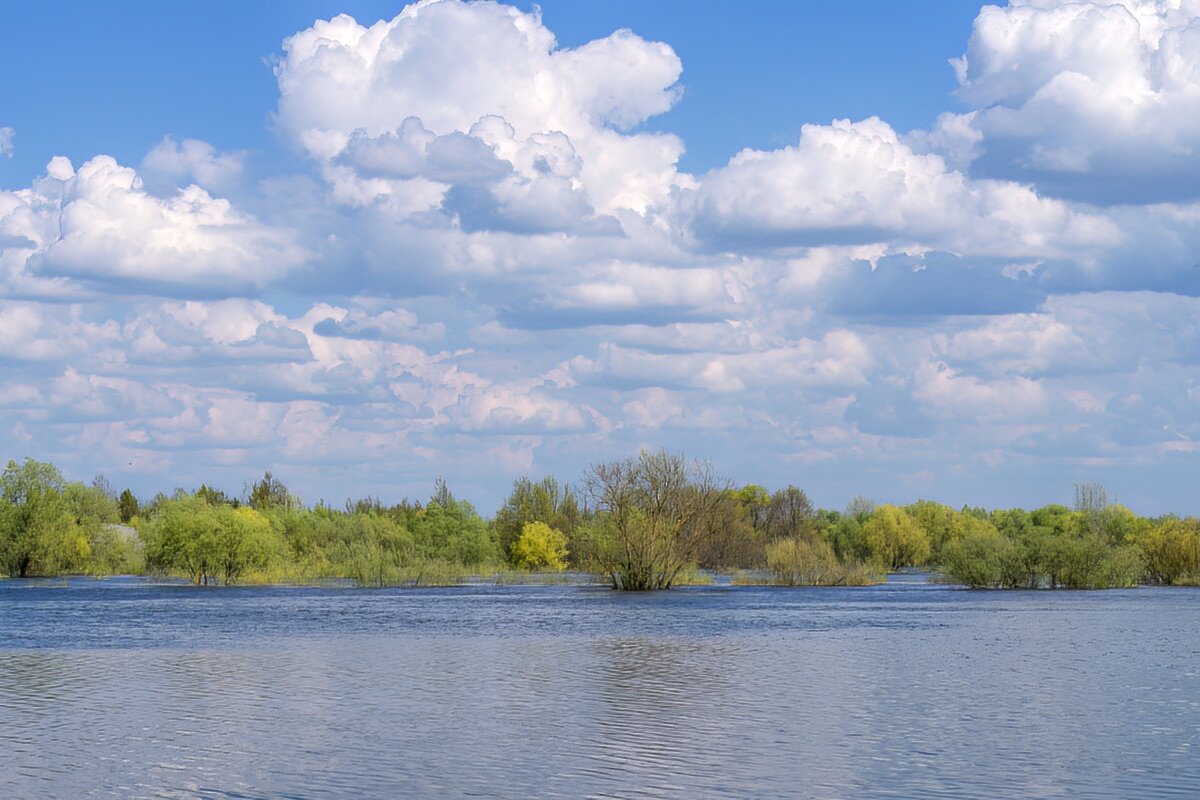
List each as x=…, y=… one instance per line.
x=126, y=689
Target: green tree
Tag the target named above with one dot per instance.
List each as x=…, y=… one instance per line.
x=449, y=529
x=755, y=499
x=1172, y=551
x=983, y=559
x=545, y=501
x=206, y=542
x=375, y=550
x=127, y=506
x=540, y=547
x=38, y=533
x=269, y=492
x=894, y=540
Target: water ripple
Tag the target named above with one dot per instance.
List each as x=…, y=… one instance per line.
x=123, y=689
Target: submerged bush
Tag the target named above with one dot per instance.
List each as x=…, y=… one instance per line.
x=983, y=559
x=894, y=539
x=802, y=561
x=1172, y=552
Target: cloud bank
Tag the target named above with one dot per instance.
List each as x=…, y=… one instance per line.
x=490, y=267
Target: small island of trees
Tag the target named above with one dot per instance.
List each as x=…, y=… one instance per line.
x=652, y=521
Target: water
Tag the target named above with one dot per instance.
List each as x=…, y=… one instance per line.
x=127, y=689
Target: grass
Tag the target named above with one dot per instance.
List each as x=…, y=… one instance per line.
x=848, y=575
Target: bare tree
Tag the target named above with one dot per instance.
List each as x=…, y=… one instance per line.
x=1090, y=497
x=652, y=515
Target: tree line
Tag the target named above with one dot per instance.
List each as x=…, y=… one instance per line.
x=646, y=522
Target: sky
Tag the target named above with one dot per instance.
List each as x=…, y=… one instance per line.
x=928, y=249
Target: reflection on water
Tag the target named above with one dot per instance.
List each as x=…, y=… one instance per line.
x=126, y=689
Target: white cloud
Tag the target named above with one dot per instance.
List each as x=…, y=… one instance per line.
x=858, y=183
x=490, y=265
x=946, y=393
x=839, y=359
x=491, y=71
x=110, y=230
x=6, y=141
x=1092, y=100
x=172, y=164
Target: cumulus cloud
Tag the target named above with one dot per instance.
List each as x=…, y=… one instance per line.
x=1096, y=101
x=173, y=164
x=623, y=293
x=100, y=226
x=373, y=105
x=488, y=263
x=394, y=325
x=839, y=359
x=858, y=183
x=6, y=141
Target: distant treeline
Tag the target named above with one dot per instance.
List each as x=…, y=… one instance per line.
x=648, y=522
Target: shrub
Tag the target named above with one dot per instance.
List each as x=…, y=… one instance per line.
x=540, y=547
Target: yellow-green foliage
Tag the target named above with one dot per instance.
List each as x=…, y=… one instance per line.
x=116, y=550
x=802, y=561
x=540, y=547
x=1173, y=551
x=545, y=501
x=208, y=542
x=692, y=575
x=983, y=559
x=942, y=524
x=894, y=540
x=1051, y=547
x=48, y=526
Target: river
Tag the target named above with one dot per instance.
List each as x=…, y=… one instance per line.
x=126, y=688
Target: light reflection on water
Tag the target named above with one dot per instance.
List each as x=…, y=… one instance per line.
x=126, y=689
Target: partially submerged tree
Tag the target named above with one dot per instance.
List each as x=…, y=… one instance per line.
x=894, y=539
x=208, y=542
x=1172, y=551
x=651, y=517
x=39, y=531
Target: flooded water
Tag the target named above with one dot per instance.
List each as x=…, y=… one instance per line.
x=126, y=689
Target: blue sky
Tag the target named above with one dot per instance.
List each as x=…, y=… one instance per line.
x=117, y=77
x=481, y=241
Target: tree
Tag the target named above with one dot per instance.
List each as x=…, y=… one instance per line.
x=540, y=547
x=451, y=530
x=127, y=505
x=271, y=493
x=1172, y=550
x=376, y=550
x=217, y=497
x=894, y=540
x=545, y=501
x=983, y=559
x=940, y=522
x=208, y=542
x=1090, y=497
x=790, y=513
x=38, y=533
x=755, y=499
x=651, y=517
x=91, y=506
x=729, y=538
